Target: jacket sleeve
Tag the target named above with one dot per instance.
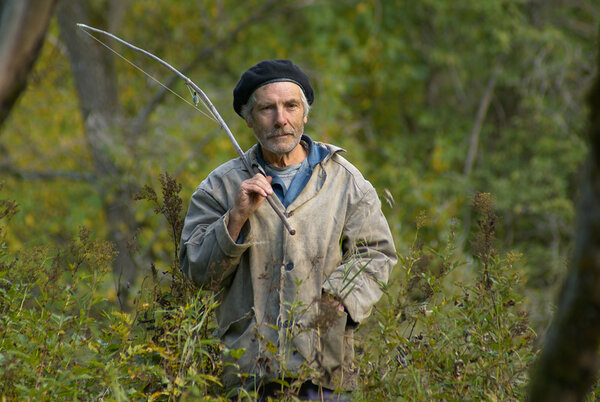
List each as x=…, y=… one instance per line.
x=208, y=255
x=368, y=257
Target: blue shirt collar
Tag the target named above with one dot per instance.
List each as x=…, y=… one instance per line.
x=316, y=153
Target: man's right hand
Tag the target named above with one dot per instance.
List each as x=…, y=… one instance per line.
x=250, y=195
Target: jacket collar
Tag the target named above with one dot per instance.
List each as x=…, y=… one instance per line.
x=317, y=153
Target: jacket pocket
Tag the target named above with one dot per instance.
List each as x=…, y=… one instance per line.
x=332, y=343
x=239, y=334
x=234, y=328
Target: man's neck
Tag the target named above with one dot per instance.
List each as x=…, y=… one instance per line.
x=294, y=157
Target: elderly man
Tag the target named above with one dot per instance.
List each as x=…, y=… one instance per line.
x=289, y=303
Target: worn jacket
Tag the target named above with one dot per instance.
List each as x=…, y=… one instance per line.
x=271, y=283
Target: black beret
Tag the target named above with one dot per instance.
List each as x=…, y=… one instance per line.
x=266, y=72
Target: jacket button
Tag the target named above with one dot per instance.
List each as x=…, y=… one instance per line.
x=289, y=266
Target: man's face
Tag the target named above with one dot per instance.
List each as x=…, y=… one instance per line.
x=278, y=117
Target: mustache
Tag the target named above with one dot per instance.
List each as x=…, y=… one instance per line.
x=277, y=132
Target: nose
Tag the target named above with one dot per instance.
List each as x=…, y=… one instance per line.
x=281, y=118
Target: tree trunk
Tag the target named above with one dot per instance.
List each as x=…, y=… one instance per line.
x=96, y=83
x=568, y=365
x=481, y=113
x=23, y=25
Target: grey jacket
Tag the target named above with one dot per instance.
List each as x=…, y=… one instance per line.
x=271, y=284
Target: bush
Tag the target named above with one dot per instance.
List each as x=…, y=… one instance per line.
x=61, y=339
x=449, y=327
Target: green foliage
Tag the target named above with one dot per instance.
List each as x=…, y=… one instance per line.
x=451, y=329
x=170, y=207
x=61, y=339
x=398, y=84
x=447, y=329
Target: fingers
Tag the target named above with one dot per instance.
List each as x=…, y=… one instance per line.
x=259, y=185
x=251, y=194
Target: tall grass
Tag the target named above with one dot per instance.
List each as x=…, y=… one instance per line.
x=450, y=326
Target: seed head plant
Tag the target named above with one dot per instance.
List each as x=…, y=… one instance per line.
x=449, y=327
x=442, y=334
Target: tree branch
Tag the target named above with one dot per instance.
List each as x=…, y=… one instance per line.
x=23, y=25
x=268, y=9
x=481, y=113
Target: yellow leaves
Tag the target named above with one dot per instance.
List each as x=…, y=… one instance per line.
x=491, y=397
x=361, y=7
x=157, y=395
x=124, y=317
x=438, y=162
x=211, y=378
x=272, y=348
x=236, y=354
x=366, y=103
x=180, y=382
x=158, y=248
x=93, y=346
x=29, y=220
x=111, y=294
x=512, y=257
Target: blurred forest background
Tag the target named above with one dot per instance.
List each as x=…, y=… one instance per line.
x=435, y=101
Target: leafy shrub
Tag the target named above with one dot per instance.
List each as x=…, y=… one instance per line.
x=61, y=339
x=446, y=334
x=450, y=327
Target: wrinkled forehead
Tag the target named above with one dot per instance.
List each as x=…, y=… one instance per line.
x=278, y=91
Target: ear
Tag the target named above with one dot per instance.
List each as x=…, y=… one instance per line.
x=305, y=119
x=248, y=121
